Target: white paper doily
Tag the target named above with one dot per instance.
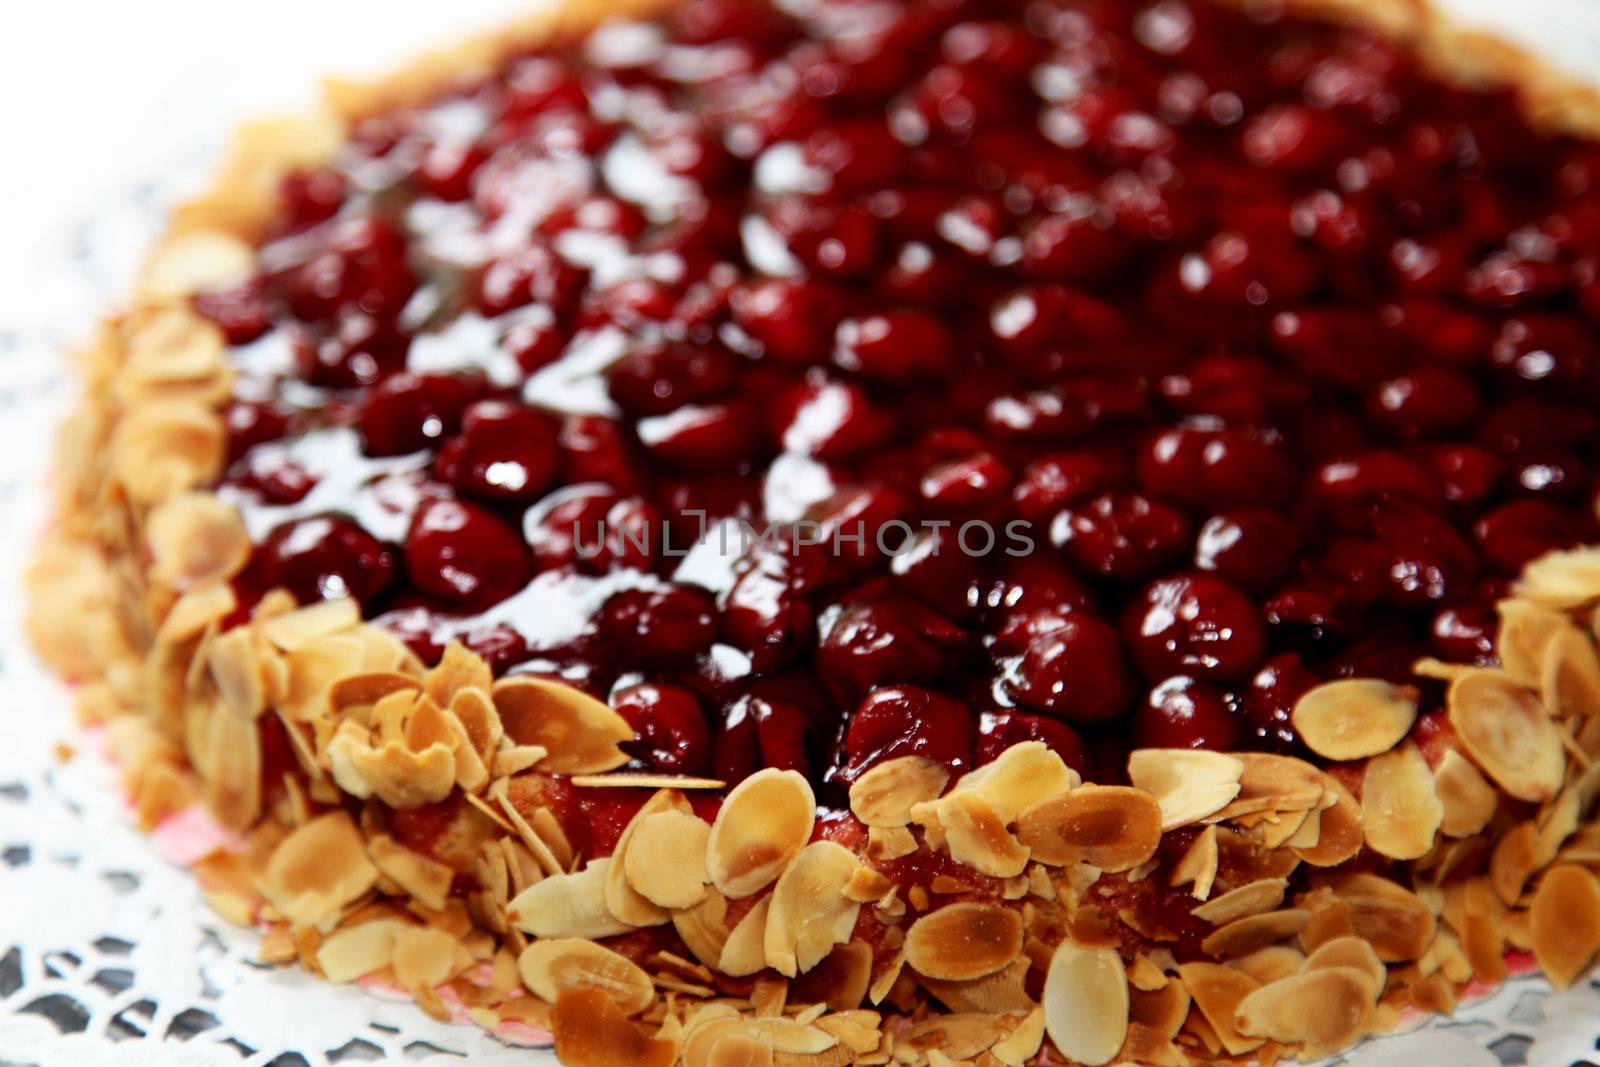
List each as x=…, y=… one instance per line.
x=107, y=954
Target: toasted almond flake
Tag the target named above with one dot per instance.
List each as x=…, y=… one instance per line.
x=159, y=450
x=1198, y=865
x=1340, y=834
x=195, y=538
x=1524, y=632
x=1003, y=992
x=1188, y=784
x=1162, y=1011
x=555, y=966
x=1562, y=579
x=791, y=1037
x=1513, y=861
x=567, y=905
x=1271, y=963
x=581, y=733
x=1569, y=678
x=809, y=913
x=195, y=262
x=1565, y=922
x=666, y=860
x=1217, y=992
x=963, y=941
x=884, y=794
x=1272, y=783
x=762, y=825
x=1322, y=1011
x=425, y=957
x=626, y=904
x=1353, y=718
x=976, y=836
x=1085, y=1003
x=704, y=927
x=238, y=671
x=317, y=870
x=1114, y=828
x=1243, y=936
x=303, y=626
x=744, y=950
x=628, y=780
x=1018, y=778
x=1022, y=1044
x=867, y=885
x=425, y=879
x=359, y=692
x=356, y=951
x=591, y=1031
x=1508, y=733
x=1350, y=952
x=1468, y=801
x=1400, y=810
x=1252, y=899
x=1391, y=918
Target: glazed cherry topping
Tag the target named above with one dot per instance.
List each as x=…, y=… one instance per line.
x=464, y=554
x=826, y=389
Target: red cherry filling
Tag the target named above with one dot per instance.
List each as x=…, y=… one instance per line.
x=903, y=720
x=673, y=736
x=325, y=558
x=464, y=554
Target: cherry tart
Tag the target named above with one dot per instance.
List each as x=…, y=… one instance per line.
x=867, y=531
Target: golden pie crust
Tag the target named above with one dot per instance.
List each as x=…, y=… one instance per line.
x=132, y=582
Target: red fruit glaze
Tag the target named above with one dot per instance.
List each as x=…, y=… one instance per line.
x=1279, y=355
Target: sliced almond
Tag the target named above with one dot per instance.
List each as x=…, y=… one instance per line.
x=1198, y=865
x=744, y=950
x=1354, y=718
x=1508, y=733
x=1018, y=778
x=1569, y=678
x=1469, y=802
x=195, y=538
x=631, y=780
x=1274, y=783
x=885, y=794
x=1243, y=936
x=976, y=835
x=591, y=1031
x=1564, y=579
x=1350, y=952
x=762, y=825
x=625, y=903
x=1340, y=834
x=704, y=927
x=353, y=952
x=301, y=627
x=1217, y=991
x=1400, y=810
x=317, y=870
x=567, y=905
x=581, y=733
x=1271, y=963
x=1392, y=919
x=1085, y=1003
x=1114, y=828
x=1188, y=784
x=1565, y=922
x=1321, y=1011
x=555, y=966
x=425, y=879
x=666, y=860
x=960, y=942
x=1022, y=1044
x=1251, y=899
x=809, y=913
